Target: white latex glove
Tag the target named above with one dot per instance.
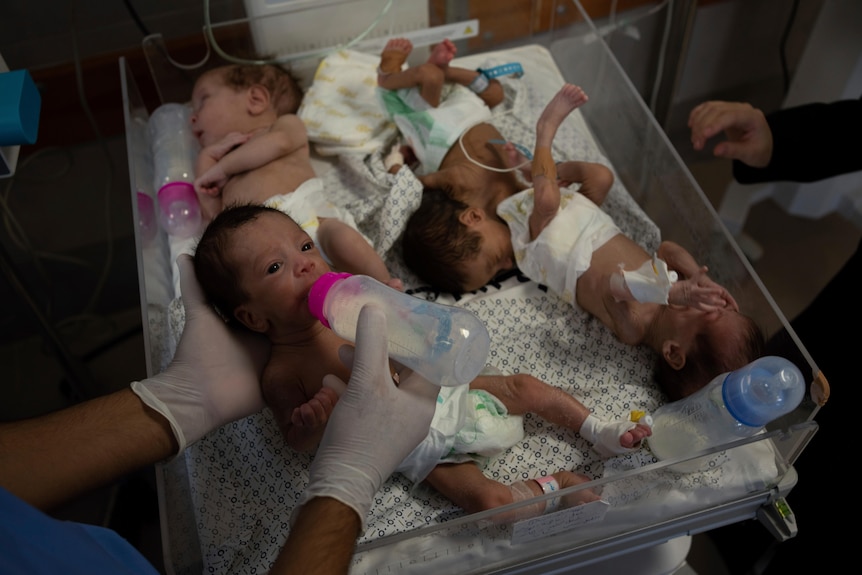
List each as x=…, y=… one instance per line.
x=605, y=435
x=214, y=377
x=374, y=425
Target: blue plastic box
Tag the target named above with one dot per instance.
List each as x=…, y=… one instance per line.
x=20, y=103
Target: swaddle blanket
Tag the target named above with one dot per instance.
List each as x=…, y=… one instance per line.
x=229, y=495
x=340, y=109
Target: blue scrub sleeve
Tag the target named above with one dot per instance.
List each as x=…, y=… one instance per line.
x=33, y=543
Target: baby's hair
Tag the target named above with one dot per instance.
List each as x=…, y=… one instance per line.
x=215, y=272
x=711, y=356
x=282, y=86
x=435, y=243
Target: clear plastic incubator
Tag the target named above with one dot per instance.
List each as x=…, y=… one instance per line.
x=225, y=502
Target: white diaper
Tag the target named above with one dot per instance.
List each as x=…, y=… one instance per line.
x=468, y=425
x=430, y=132
x=564, y=249
x=308, y=203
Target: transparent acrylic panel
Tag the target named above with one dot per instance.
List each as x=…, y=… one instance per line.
x=652, y=172
x=642, y=506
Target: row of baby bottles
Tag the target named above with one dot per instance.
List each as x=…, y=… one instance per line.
x=166, y=164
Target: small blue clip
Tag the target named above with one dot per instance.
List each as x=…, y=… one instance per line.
x=527, y=154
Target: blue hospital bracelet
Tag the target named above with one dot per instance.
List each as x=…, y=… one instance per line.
x=510, y=69
x=481, y=82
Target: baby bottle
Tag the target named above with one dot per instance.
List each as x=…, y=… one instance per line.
x=447, y=345
x=142, y=162
x=732, y=406
x=175, y=150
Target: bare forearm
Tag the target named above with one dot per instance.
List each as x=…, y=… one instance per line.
x=51, y=459
x=259, y=152
x=349, y=251
x=321, y=541
x=595, y=179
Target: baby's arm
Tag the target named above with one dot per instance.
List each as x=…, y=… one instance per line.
x=301, y=420
x=286, y=136
x=595, y=179
x=349, y=252
x=546, y=191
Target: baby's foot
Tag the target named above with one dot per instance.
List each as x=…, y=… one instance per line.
x=569, y=98
x=394, y=55
x=442, y=53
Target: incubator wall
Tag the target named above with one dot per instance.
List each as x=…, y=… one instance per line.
x=648, y=507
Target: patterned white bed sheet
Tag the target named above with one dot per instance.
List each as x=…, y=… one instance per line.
x=242, y=481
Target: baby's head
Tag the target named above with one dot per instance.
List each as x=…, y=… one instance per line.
x=716, y=342
x=256, y=266
x=455, y=247
x=222, y=96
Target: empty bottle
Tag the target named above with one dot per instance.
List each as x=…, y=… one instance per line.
x=734, y=405
x=447, y=345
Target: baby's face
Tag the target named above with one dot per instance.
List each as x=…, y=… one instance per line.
x=277, y=264
x=495, y=255
x=217, y=109
x=724, y=324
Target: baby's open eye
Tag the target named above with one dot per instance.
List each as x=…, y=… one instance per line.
x=307, y=246
x=273, y=268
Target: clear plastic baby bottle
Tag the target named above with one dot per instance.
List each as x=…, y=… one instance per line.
x=734, y=405
x=174, y=150
x=446, y=344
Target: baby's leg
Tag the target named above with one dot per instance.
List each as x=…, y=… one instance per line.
x=522, y=393
x=466, y=486
x=428, y=77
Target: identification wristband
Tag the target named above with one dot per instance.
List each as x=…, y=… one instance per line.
x=549, y=485
x=480, y=83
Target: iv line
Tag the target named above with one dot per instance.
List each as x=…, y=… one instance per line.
x=480, y=164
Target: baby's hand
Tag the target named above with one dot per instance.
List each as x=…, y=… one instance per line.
x=613, y=437
x=315, y=412
x=701, y=292
x=211, y=182
x=395, y=283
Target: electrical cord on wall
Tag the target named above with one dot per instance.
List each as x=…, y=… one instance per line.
x=20, y=238
x=782, y=51
x=134, y=14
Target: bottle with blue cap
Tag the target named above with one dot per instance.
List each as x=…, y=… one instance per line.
x=734, y=405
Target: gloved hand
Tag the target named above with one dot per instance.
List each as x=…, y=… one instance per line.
x=374, y=425
x=214, y=377
x=606, y=436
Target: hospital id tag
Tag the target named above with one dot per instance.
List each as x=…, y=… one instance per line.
x=559, y=521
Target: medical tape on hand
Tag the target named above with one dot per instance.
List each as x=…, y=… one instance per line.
x=543, y=164
x=549, y=485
